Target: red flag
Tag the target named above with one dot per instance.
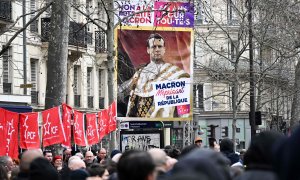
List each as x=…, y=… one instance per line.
x=92, y=129
x=29, y=131
x=103, y=123
x=78, y=129
x=112, y=117
x=11, y=121
x=67, y=115
x=2, y=132
x=53, y=132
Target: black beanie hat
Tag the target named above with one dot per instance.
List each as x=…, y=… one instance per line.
x=40, y=168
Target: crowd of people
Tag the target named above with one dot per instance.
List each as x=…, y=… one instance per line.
x=270, y=156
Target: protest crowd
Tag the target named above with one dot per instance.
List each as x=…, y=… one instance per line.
x=270, y=156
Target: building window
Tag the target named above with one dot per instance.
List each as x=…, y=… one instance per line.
x=34, y=24
x=34, y=80
x=7, y=71
x=198, y=96
x=90, y=87
x=232, y=49
x=74, y=11
x=232, y=12
x=207, y=95
x=202, y=8
x=101, y=10
x=76, y=86
x=100, y=89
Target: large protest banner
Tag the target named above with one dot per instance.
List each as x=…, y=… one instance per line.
x=154, y=60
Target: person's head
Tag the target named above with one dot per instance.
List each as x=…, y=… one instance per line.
x=198, y=141
x=27, y=157
x=211, y=163
x=136, y=165
x=98, y=170
x=7, y=162
x=57, y=161
x=159, y=158
x=89, y=157
x=212, y=142
x=156, y=47
x=102, y=154
x=3, y=173
x=76, y=163
x=226, y=145
x=187, y=149
x=79, y=174
x=66, y=155
x=242, y=153
x=259, y=153
x=41, y=168
x=14, y=172
x=79, y=154
x=114, y=152
x=48, y=155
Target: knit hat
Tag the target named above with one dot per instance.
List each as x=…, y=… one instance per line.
x=114, y=152
x=79, y=174
x=57, y=157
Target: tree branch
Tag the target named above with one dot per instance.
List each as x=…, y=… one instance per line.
x=6, y=46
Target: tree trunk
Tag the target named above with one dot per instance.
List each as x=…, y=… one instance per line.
x=234, y=110
x=57, y=54
x=110, y=63
x=295, y=117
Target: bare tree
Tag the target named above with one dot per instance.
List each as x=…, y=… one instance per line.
x=225, y=44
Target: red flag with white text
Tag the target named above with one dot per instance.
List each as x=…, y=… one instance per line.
x=92, y=129
x=112, y=117
x=29, y=130
x=53, y=132
x=67, y=118
x=103, y=123
x=78, y=129
x=2, y=132
x=11, y=134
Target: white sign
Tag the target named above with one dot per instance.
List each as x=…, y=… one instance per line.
x=172, y=93
x=140, y=141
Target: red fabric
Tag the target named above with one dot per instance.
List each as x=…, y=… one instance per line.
x=29, y=131
x=92, y=129
x=67, y=115
x=9, y=133
x=78, y=129
x=52, y=127
x=103, y=123
x=112, y=117
x=2, y=132
x=178, y=46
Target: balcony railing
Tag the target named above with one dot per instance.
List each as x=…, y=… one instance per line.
x=90, y=101
x=34, y=97
x=100, y=42
x=7, y=88
x=5, y=10
x=77, y=33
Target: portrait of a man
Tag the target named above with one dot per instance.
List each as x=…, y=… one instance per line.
x=136, y=93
